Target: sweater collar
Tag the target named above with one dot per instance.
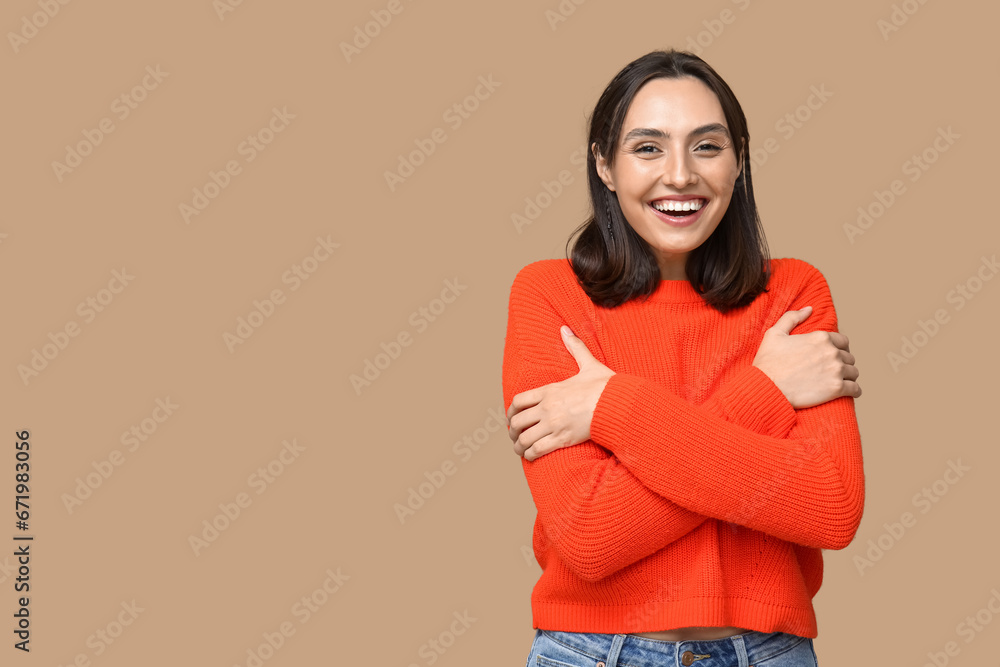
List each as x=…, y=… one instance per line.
x=675, y=291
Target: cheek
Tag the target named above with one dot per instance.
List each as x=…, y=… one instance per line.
x=636, y=179
x=725, y=181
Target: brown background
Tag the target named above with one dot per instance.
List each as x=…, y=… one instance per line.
x=323, y=176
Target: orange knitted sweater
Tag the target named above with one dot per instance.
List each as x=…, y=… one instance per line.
x=703, y=498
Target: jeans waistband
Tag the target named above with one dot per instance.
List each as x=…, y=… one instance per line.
x=745, y=649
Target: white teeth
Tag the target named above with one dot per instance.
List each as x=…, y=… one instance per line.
x=670, y=205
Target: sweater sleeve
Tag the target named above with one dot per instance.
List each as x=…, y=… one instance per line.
x=751, y=399
x=593, y=511
x=806, y=486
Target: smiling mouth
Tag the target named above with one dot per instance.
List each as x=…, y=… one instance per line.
x=678, y=209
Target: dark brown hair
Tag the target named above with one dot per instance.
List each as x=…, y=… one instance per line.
x=614, y=265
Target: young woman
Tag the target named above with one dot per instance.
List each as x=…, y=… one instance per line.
x=683, y=404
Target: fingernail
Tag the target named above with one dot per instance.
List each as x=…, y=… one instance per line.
x=566, y=331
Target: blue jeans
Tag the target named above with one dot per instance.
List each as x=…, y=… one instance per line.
x=750, y=649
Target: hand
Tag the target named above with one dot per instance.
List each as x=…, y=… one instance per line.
x=810, y=368
x=558, y=414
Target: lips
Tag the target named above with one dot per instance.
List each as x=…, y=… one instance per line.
x=679, y=218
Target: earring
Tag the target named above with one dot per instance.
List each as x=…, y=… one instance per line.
x=607, y=205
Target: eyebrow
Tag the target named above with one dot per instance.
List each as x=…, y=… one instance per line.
x=660, y=134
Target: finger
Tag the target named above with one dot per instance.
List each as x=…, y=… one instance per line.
x=840, y=340
x=576, y=347
x=790, y=319
x=533, y=454
x=526, y=449
x=847, y=357
x=521, y=422
x=523, y=401
x=851, y=389
x=521, y=444
x=520, y=448
x=851, y=373
x=541, y=447
x=530, y=435
x=513, y=409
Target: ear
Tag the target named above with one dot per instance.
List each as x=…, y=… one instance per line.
x=602, y=167
x=741, y=161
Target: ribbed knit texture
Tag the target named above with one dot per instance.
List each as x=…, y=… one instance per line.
x=703, y=498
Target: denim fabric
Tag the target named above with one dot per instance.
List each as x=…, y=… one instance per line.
x=750, y=649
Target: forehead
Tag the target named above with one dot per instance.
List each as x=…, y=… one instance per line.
x=674, y=105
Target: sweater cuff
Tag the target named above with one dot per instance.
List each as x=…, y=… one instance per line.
x=612, y=415
x=752, y=400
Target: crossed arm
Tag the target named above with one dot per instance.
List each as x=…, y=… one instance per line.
x=809, y=369
x=602, y=512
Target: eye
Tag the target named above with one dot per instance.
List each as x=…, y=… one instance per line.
x=709, y=148
x=642, y=149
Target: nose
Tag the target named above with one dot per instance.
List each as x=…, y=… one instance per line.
x=678, y=171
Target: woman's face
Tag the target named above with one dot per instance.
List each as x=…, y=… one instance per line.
x=675, y=145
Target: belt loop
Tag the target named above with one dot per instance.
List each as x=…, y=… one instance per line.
x=616, y=648
x=741, y=651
